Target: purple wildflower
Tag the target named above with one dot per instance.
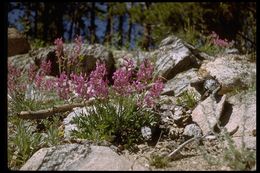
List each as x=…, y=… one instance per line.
x=48, y=84
x=14, y=80
x=78, y=41
x=38, y=80
x=219, y=42
x=122, y=78
x=80, y=85
x=45, y=67
x=145, y=72
x=59, y=47
x=76, y=50
x=153, y=93
x=63, y=87
x=32, y=72
x=97, y=84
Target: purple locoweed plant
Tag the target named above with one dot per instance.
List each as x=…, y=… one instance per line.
x=63, y=86
x=153, y=93
x=80, y=85
x=74, y=55
x=145, y=72
x=122, y=81
x=45, y=67
x=32, y=72
x=220, y=42
x=59, y=52
x=59, y=47
x=15, y=84
x=98, y=83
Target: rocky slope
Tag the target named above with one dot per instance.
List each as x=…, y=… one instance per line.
x=212, y=82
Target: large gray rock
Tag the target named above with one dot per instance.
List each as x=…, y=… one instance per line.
x=232, y=71
x=180, y=83
x=173, y=57
x=22, y=61
x=79, y=157
x=90, y=54
x=207, y=113
x=119, y=56
x=243, y=115
x=95, y=52
x=136, y=56
x=17, y=43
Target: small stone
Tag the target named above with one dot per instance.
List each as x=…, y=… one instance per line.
x=192, y=130
x=211, y=137
x=231, y=51
x=146, y=132
x=178, y=112
x=189, y=111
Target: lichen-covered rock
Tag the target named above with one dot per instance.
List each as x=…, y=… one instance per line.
x=192, y=130
x=146, y=133
x=119, y=56
x=57, y=157
x=243, y=115
x=17, y=42
x=22, y=61
x=90, y=54
x=180, y=83
x=174, y=57
x=232, y=71
x=79, y=157
x=207, y=113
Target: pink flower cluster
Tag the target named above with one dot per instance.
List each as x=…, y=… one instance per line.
x=59, y=47
x=145, y=72
x=126, y=80
x=122, y=78
x=144, y=75
x=80, y=85
x=32, y=72
x=14, y=84
x=72, y=60
x=95, y=86
x=40, y=82
x=219, y=42
x=45, y=67
x=78, y=41
x=63, y=86
x=153, y=93
x=98, y=84
x=125, y=85
x=68, y=60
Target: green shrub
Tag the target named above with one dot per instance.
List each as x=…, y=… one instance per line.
x=187, y=99
x=118, y=120
x=53, y=133
x=37, y=43
x=22, y=143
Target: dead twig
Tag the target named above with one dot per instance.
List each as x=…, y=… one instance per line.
x=184, y=144
x=41, y=114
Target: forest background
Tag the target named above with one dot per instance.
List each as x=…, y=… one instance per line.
x=135, y=25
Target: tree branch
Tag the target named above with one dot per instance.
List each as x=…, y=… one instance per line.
x=41, y=114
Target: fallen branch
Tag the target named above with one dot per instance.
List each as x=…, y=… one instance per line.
x=41, y=114
x=184, y=144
